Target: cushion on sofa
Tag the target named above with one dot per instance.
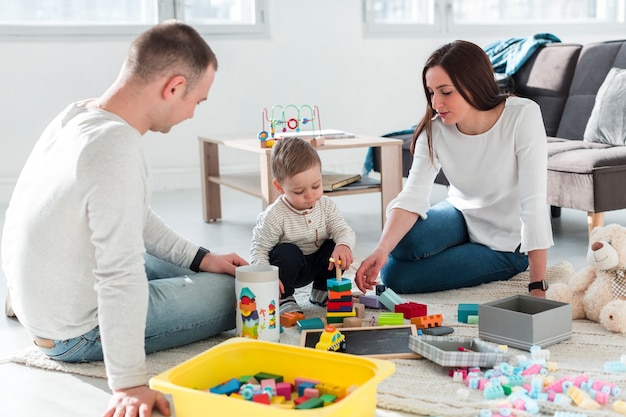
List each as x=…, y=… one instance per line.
x=546, y=77
x=607, y=123
x=585, y=159
x=596, y=59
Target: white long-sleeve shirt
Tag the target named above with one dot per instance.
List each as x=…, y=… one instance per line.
x=307, y=229
x=498, y=179
x=75, y=234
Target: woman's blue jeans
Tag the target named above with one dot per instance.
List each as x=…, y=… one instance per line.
x=184, y=307
x=436, y=255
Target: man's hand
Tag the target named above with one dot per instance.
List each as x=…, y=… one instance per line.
x=221, y=264
x=136, y=402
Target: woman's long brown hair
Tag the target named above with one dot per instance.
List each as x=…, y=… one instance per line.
x=471, y=72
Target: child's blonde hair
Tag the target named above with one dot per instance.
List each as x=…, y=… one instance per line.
x=292, y=156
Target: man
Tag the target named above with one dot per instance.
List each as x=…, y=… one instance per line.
x=93, y=272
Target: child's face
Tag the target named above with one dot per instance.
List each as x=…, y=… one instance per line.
x=304, y=189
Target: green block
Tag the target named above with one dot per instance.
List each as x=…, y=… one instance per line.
x=390, y=319
x=265, y=375
x=328, y=398
x=311, y=403
x=310, y=324
x=334, y=320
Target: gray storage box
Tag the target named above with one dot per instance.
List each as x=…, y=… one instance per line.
x=522, y=321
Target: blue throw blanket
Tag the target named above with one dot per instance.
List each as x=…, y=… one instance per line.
x=508, y=56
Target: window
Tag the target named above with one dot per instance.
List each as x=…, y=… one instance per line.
x=121, y=17
x=493, y=16
x=401, y=16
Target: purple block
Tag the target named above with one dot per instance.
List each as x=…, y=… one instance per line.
x=370, y=301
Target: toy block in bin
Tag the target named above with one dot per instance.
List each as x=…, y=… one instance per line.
x=290, y=319
x=466, y=310
x=390, y=299
x=426, y=322
x=390, y=319
x=411, y=309
x=188, y=382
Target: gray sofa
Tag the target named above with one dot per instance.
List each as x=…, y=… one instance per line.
x=564, y=79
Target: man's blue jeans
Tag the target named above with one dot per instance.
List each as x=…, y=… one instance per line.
x=436, y=255
x=184, y=307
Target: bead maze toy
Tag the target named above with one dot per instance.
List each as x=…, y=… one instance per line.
x=290, y=118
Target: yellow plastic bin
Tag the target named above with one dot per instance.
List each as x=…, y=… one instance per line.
x=235, y=357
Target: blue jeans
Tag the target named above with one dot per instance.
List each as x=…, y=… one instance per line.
x=184, y=307
x=436, y=255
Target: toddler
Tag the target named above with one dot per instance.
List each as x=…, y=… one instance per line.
x=302, y=229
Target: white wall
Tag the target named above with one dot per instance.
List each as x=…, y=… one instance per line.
x=315, y=54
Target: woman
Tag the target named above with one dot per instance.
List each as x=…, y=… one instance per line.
x=495, y=222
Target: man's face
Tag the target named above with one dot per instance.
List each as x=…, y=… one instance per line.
x=183, y=103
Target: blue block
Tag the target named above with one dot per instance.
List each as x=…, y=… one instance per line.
x=390, y=299
x=465, y=310
x=227, y=387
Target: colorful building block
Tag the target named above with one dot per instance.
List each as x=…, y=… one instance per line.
x=390, y=319
x=342, y=285
x=425, y=322
x=411, y=309
x=290, y=319
x=226, y=388
x=371, y=301
x=465, y=310
x=310, y=324
x=390, y=299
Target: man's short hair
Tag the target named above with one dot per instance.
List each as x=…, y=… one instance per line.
x=292, y=156
x=170, y=48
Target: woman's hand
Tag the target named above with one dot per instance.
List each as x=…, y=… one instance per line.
x=368, y=271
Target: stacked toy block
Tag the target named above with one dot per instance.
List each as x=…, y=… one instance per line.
x=340, y=304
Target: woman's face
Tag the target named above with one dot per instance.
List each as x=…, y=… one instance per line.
x=445, y=99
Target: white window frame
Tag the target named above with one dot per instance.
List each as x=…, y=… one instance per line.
x=444, y=25
x=166, y=9
x=370, y=27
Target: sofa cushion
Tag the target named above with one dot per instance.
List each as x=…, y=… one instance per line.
x=546, y=78
x=587, y=158
x=607, y=123
x=596, y=59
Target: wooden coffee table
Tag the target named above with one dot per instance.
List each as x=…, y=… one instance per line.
x=259, y=184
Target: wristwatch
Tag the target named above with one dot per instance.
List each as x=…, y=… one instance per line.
x=539, y=285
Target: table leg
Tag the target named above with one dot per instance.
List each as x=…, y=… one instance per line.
x=268, y=192
x=390, y=175
x=211, y=194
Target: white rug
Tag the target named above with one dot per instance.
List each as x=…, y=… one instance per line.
x=420, y=386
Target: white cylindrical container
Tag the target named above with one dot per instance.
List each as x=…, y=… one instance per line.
x=257, y=291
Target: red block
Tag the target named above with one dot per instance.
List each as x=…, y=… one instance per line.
x=411, y=309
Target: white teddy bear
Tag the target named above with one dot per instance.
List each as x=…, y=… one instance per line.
x=598, y=292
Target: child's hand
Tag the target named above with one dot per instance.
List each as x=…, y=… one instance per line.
x=281, y=287
x=343, y=254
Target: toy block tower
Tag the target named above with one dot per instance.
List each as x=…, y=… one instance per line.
x=340, y=304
